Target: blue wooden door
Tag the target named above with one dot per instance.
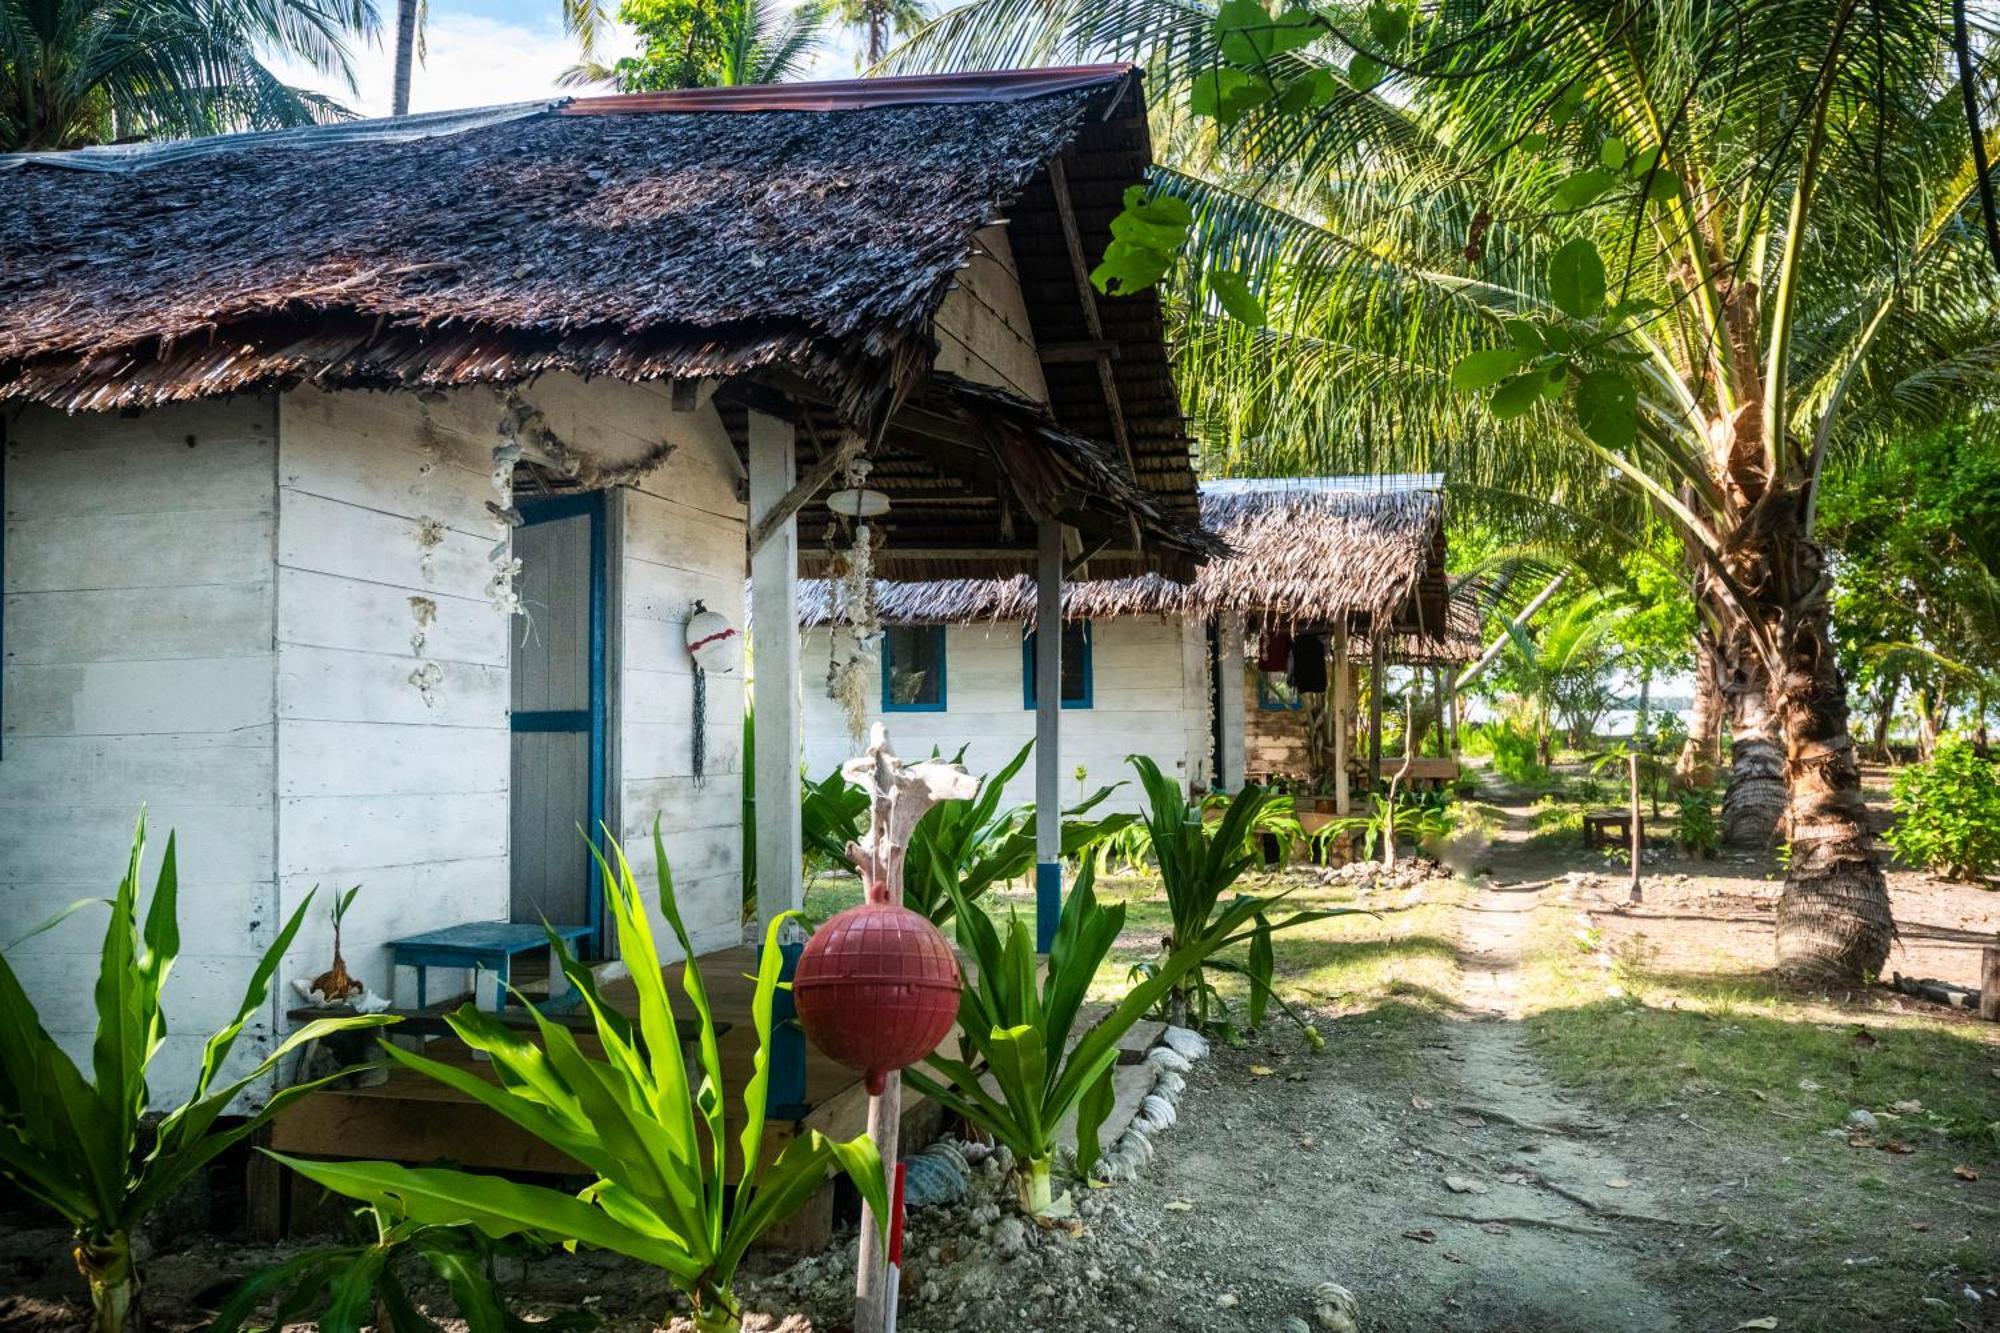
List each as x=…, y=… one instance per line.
x=558, y=697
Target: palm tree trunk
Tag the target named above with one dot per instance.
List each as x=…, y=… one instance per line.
x=1702, y=751
x=1885, y=710
x=1834, y=923
x=1834, y=926
x=1755, y=800
x=406, y=50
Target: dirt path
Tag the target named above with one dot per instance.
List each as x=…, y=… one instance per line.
x=1437, y=1173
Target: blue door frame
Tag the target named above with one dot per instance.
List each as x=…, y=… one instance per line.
x=590, y=720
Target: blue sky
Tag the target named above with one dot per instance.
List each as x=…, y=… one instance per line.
x=490, y=52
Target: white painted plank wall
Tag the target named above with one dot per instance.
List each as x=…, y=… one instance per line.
x=1145, y=696
x=139, y=585
x=383, y=783
x=682, y=539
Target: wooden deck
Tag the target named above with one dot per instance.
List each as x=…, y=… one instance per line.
x=414, y=1119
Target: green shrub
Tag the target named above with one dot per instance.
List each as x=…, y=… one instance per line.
x=650, y=1130
x=1948, y=813
x=1200, y=860
x=97, y=1151
x=343, y=1288
x=1697, y=832
x=1514, y=755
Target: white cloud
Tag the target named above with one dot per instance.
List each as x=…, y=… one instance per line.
x=474, y=60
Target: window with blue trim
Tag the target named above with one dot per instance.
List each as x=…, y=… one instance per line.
x=1076, y=682
x=913, y=669
x=1276, y=695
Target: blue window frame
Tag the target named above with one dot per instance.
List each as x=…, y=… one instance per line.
x=1276, y=695
x=913, y=669
x=1076, y=670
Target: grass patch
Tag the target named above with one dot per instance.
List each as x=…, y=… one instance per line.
x=1748, y=1080
x=1392, y=963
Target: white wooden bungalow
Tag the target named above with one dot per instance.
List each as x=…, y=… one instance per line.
x=1355, y=565
x=360, y=482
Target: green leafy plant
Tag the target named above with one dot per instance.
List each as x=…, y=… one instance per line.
x=638, y=1120
x=1516, y=757
x=1948, y=813
x=1017, y=1026
x=960, y=849
x=1696, y=830
x=1200, y=860
x=834, y=814
x=96, y=1151
x=1420, y=819
x=344, y=1287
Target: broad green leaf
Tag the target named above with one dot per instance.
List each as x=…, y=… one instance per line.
x=1607, y=407
x=1248, y=34
x=1310, y=91
x=1091, y=1112
x=1232, y=290
x=1582, y=188
x=1516, y=396
x=1365, y=72
x=1526, y=335
x=1576, y=279
x=1664, y=185
x=1226, y=94
x=1612, y=152
x=1534, y=142
x=1484, y=369
x=1388, y=24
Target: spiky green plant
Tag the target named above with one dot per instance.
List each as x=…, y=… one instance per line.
x=95, y=1150
x=1200, y=860
x=1016, y=1026
x=649, y=1129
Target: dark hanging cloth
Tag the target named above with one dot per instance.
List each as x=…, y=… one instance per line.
x=1274, y=651
x=1309, y=664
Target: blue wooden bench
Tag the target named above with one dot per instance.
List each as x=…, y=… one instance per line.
x=489, y=946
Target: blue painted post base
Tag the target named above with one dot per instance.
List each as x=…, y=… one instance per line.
x=1048, y=903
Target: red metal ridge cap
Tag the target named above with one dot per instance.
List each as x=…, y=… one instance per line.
x=1007, y=85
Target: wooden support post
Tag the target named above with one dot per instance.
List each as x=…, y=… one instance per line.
x=1343, y=729
x=871, y=1288
x=1048, y=727
x=1375, y=674
x=1989, y=982
x=774, y=628
x=1637, y=829
x=1231, y=766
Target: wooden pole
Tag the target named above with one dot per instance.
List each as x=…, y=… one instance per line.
x=1637, y=829
x=1048, y=729
x=774, y=626
x=871, y=1287
x=1343, y=702
x=1989, y=982
x=1231, y=764
x=899, y=794
x=1375, y=673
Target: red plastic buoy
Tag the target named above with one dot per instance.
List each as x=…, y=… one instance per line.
x=877, y=989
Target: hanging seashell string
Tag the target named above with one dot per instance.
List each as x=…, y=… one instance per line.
x=857, y=629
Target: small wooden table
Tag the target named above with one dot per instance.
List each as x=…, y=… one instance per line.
x=1610, y=828
x=488, y=946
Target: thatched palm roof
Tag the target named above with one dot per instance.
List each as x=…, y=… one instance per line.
x=1312, y=552
x=804, y=235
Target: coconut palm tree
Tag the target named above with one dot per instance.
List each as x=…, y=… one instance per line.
x=880, y=19
x=710, y=44
x=76, y=72
x=1684, y=250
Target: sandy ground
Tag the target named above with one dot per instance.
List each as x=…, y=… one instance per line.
x=1425, y=1161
